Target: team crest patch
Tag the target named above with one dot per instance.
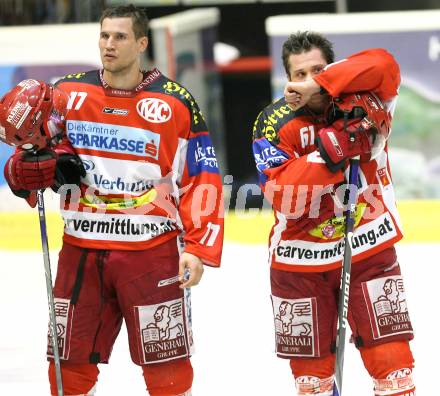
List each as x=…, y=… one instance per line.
x=386, y=304
x=64, y=314
x=296, y=327
x=163, y=331
x=154, y=110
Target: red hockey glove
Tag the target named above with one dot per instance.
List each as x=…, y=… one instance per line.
x=320, y=211
x=336, y=144
x=27, y=171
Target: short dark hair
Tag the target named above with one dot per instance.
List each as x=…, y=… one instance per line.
x=138, y=17
x=304, y=42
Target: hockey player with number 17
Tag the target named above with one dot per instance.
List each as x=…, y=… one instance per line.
x=143, y=211
x=331, y=112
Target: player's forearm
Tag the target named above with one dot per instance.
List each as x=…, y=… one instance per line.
x=371, y=70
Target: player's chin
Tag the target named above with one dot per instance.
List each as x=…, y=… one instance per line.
x=109, y=61
x=317, y=96
x=317, y=99
x=110, y=67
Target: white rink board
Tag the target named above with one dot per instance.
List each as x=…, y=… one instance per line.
x=234, y=338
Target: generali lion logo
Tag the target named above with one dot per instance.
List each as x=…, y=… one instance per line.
x=163, y=323
x=295, y=326
x=386, y=304
x=163, y=330
x=287, y=317
x=392, y=301
x=154, y=110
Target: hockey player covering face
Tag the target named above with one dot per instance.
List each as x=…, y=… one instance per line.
x=141, y=221
x=302, y=148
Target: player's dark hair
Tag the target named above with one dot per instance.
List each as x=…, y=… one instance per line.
x=138, y=17
x=300, y=42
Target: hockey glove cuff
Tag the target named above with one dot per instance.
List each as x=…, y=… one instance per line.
x=69, y=170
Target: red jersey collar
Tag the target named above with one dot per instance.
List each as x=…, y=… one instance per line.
x=149, y=77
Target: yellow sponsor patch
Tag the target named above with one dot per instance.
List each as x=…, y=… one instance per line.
x=334, y=228
x=105, y=203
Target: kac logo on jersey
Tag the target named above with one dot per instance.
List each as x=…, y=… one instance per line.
x=154, y=110
x=201, y=156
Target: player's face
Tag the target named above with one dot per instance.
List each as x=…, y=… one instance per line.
x=305, y=66
x=118, y=45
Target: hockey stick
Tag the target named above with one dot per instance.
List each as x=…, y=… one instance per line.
x=50, y=298
x=344, y=291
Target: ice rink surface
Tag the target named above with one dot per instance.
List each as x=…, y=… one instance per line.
x=232, y=323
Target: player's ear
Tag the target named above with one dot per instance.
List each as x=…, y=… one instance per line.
x=143, y=43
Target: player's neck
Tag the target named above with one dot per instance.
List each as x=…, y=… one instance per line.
x=125, y=79
x=318, y=105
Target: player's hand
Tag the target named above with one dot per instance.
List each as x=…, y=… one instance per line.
x=299, y=93
x=336, y=143
x=30, y=172
x=192, y=265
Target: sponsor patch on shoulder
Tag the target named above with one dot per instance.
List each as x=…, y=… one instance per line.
x=74, y=75
x=267, y=155
x=201, y=156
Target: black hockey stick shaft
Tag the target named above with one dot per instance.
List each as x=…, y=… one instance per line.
x=344, y=292
x=50, y=298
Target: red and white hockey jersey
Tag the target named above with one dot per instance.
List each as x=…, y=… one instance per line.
x=291, y=172
x=151, y=167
